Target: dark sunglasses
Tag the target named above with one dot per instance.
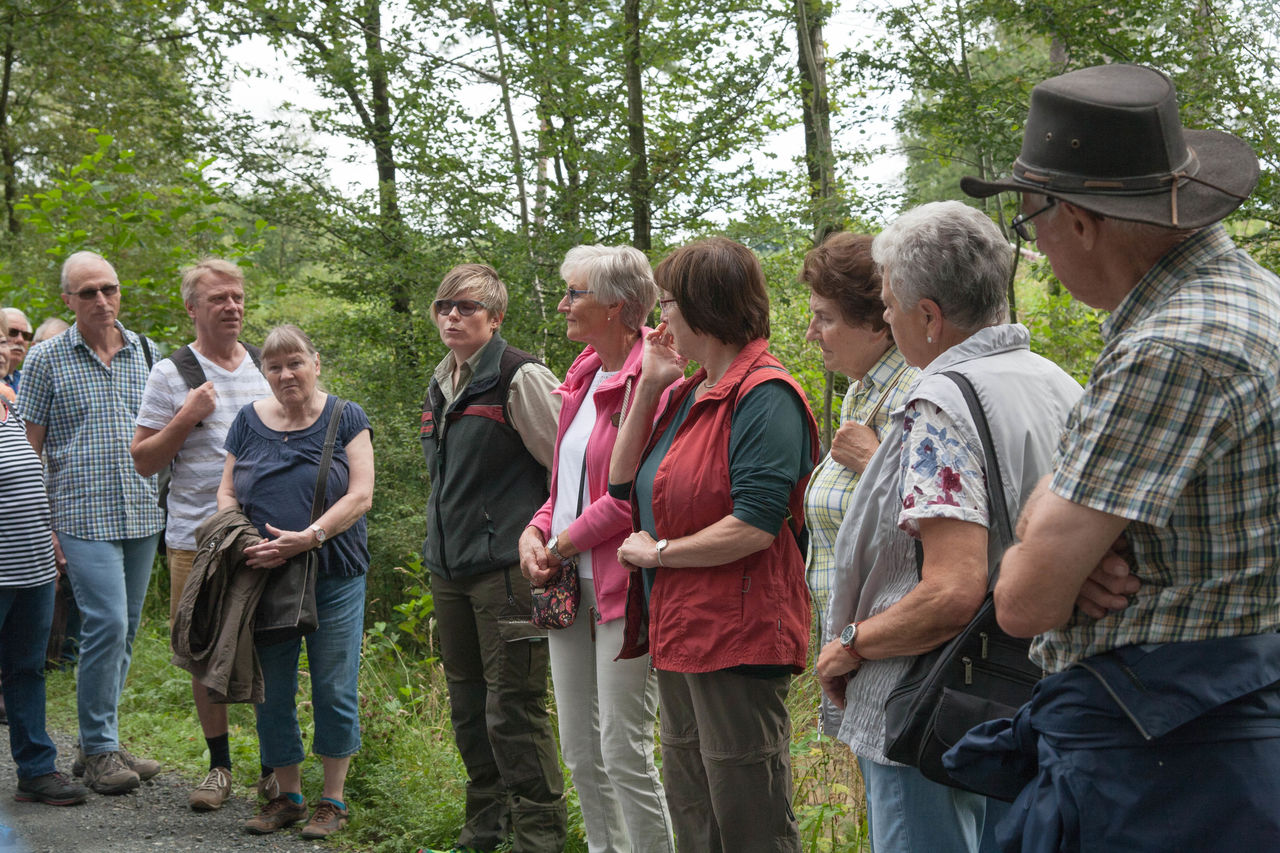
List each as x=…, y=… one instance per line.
x=89, y=294
x=466, y=307
x=26, y=335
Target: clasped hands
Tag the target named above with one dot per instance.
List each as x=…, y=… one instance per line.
x=272, y=552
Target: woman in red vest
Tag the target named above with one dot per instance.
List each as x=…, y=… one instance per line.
x=717, y=593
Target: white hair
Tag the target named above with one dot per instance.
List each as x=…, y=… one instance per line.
x=615, y=274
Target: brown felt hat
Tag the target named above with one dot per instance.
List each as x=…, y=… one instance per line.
x=1108, y=139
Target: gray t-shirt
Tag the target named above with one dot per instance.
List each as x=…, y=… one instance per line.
x=197, y=469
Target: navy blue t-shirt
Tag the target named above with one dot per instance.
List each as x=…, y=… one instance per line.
x=275, y=480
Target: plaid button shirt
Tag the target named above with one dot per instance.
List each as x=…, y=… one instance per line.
x=1179, y=432
x=830, y=490
x=88, y=410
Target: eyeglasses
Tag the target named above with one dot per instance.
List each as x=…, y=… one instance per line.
x=574, y=294
x=663, y=303
x=466, y=307
x=89, y=294
x=1019, y=223
x=25, y=334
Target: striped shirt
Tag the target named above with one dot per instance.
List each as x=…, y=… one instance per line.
x=868, y=401
x=88, y=409
x=197, y=469
x=26, y=546
x=1179, y=432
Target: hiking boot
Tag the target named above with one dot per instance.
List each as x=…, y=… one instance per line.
x=53, y=788
x=277, y=814
x=326, y=820
x=268, y=788
x=106, y=773
x=210, y=794
x=144, y=767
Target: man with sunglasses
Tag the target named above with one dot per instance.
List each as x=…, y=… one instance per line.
x=18, y=341
x=1159, y=726
x=79, y=397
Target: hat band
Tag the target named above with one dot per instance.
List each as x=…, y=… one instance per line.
x=1143, y=185
x=1133, y=185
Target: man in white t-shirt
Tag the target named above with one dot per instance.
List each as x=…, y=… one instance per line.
x=184, y=427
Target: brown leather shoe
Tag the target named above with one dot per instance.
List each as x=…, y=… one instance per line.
x=277, y=814
x=210, y=794
x=326, y=820
x=106, y=773
x=144, y=767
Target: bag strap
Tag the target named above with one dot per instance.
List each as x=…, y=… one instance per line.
x=997, y=507
x=146, y=351
x=330, y=436
x=188, y=366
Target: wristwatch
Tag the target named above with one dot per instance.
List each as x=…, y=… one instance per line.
x=848, y=637
x=320, y=534
x=660, y=546
x=554, y=548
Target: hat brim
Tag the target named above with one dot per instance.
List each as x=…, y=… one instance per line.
x=1227, y=164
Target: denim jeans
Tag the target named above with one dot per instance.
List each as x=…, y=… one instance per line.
x=333, y=655
x=25, y=616
x=109, y=579
x=907, y=812
x=607, y=709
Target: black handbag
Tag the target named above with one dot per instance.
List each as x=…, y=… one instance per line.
x=287, y=609
x=982, y=674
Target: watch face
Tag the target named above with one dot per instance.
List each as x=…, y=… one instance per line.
x=847, y=635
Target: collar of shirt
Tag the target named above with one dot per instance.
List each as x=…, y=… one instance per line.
x=1160, y=281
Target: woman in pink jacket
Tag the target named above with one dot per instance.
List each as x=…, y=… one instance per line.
x=606, y=706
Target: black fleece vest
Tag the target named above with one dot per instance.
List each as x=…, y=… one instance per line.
x=485, y=486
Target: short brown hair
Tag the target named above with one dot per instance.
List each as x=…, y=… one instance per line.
x=482, y=281
x=842, y=270
x=719, y=288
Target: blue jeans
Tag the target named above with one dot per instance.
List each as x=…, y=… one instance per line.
x=907, y=812
x=109, y=579
x=333, y=653
x=25, y=616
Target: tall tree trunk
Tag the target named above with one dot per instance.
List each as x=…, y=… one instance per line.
x=391, y=221
x=639, y=187
x=517, y=166
x=8, y=157
x=818, y=156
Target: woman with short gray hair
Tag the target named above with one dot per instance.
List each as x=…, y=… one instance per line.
x=606, y=707
x=944, y=268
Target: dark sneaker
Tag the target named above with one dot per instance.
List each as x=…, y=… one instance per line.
x=52, y=788
x=325, y=821
x=210, y=794
x=144, y=767
x=268, y=788
x=277, y=814
x=106, y=773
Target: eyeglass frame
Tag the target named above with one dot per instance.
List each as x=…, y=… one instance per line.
x=90, y=294
x=451, y=304
x=573, y=294
x=26, y=334
x=1019, y=222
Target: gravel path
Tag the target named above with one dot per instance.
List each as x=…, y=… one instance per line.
x=153, y=817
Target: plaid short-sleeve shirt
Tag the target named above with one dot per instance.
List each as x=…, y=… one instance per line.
x=88, y=409
x=1179, y=432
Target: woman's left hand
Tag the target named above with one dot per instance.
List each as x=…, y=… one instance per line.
x=638, y=551
x=270, y=553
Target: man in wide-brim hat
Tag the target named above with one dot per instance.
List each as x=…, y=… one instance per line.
x=1167, y=734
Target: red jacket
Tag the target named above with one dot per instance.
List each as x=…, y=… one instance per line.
x=751, y=611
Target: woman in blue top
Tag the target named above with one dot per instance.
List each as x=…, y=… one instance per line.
x=273, y=459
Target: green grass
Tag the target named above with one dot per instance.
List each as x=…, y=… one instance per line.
x=406, y=785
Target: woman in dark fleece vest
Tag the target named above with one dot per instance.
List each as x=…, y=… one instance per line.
x=488, y=429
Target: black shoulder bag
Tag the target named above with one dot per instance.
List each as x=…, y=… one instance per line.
x=982, y=674
x=287, y=609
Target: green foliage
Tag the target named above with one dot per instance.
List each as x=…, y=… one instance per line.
x=147, y=231
x=1062, y=330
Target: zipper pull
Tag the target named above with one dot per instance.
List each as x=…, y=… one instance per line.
x=968, y=670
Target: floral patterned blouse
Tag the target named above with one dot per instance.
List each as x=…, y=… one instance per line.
x=941, y=472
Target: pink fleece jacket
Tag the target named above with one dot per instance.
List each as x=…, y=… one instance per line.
x=605, y=521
